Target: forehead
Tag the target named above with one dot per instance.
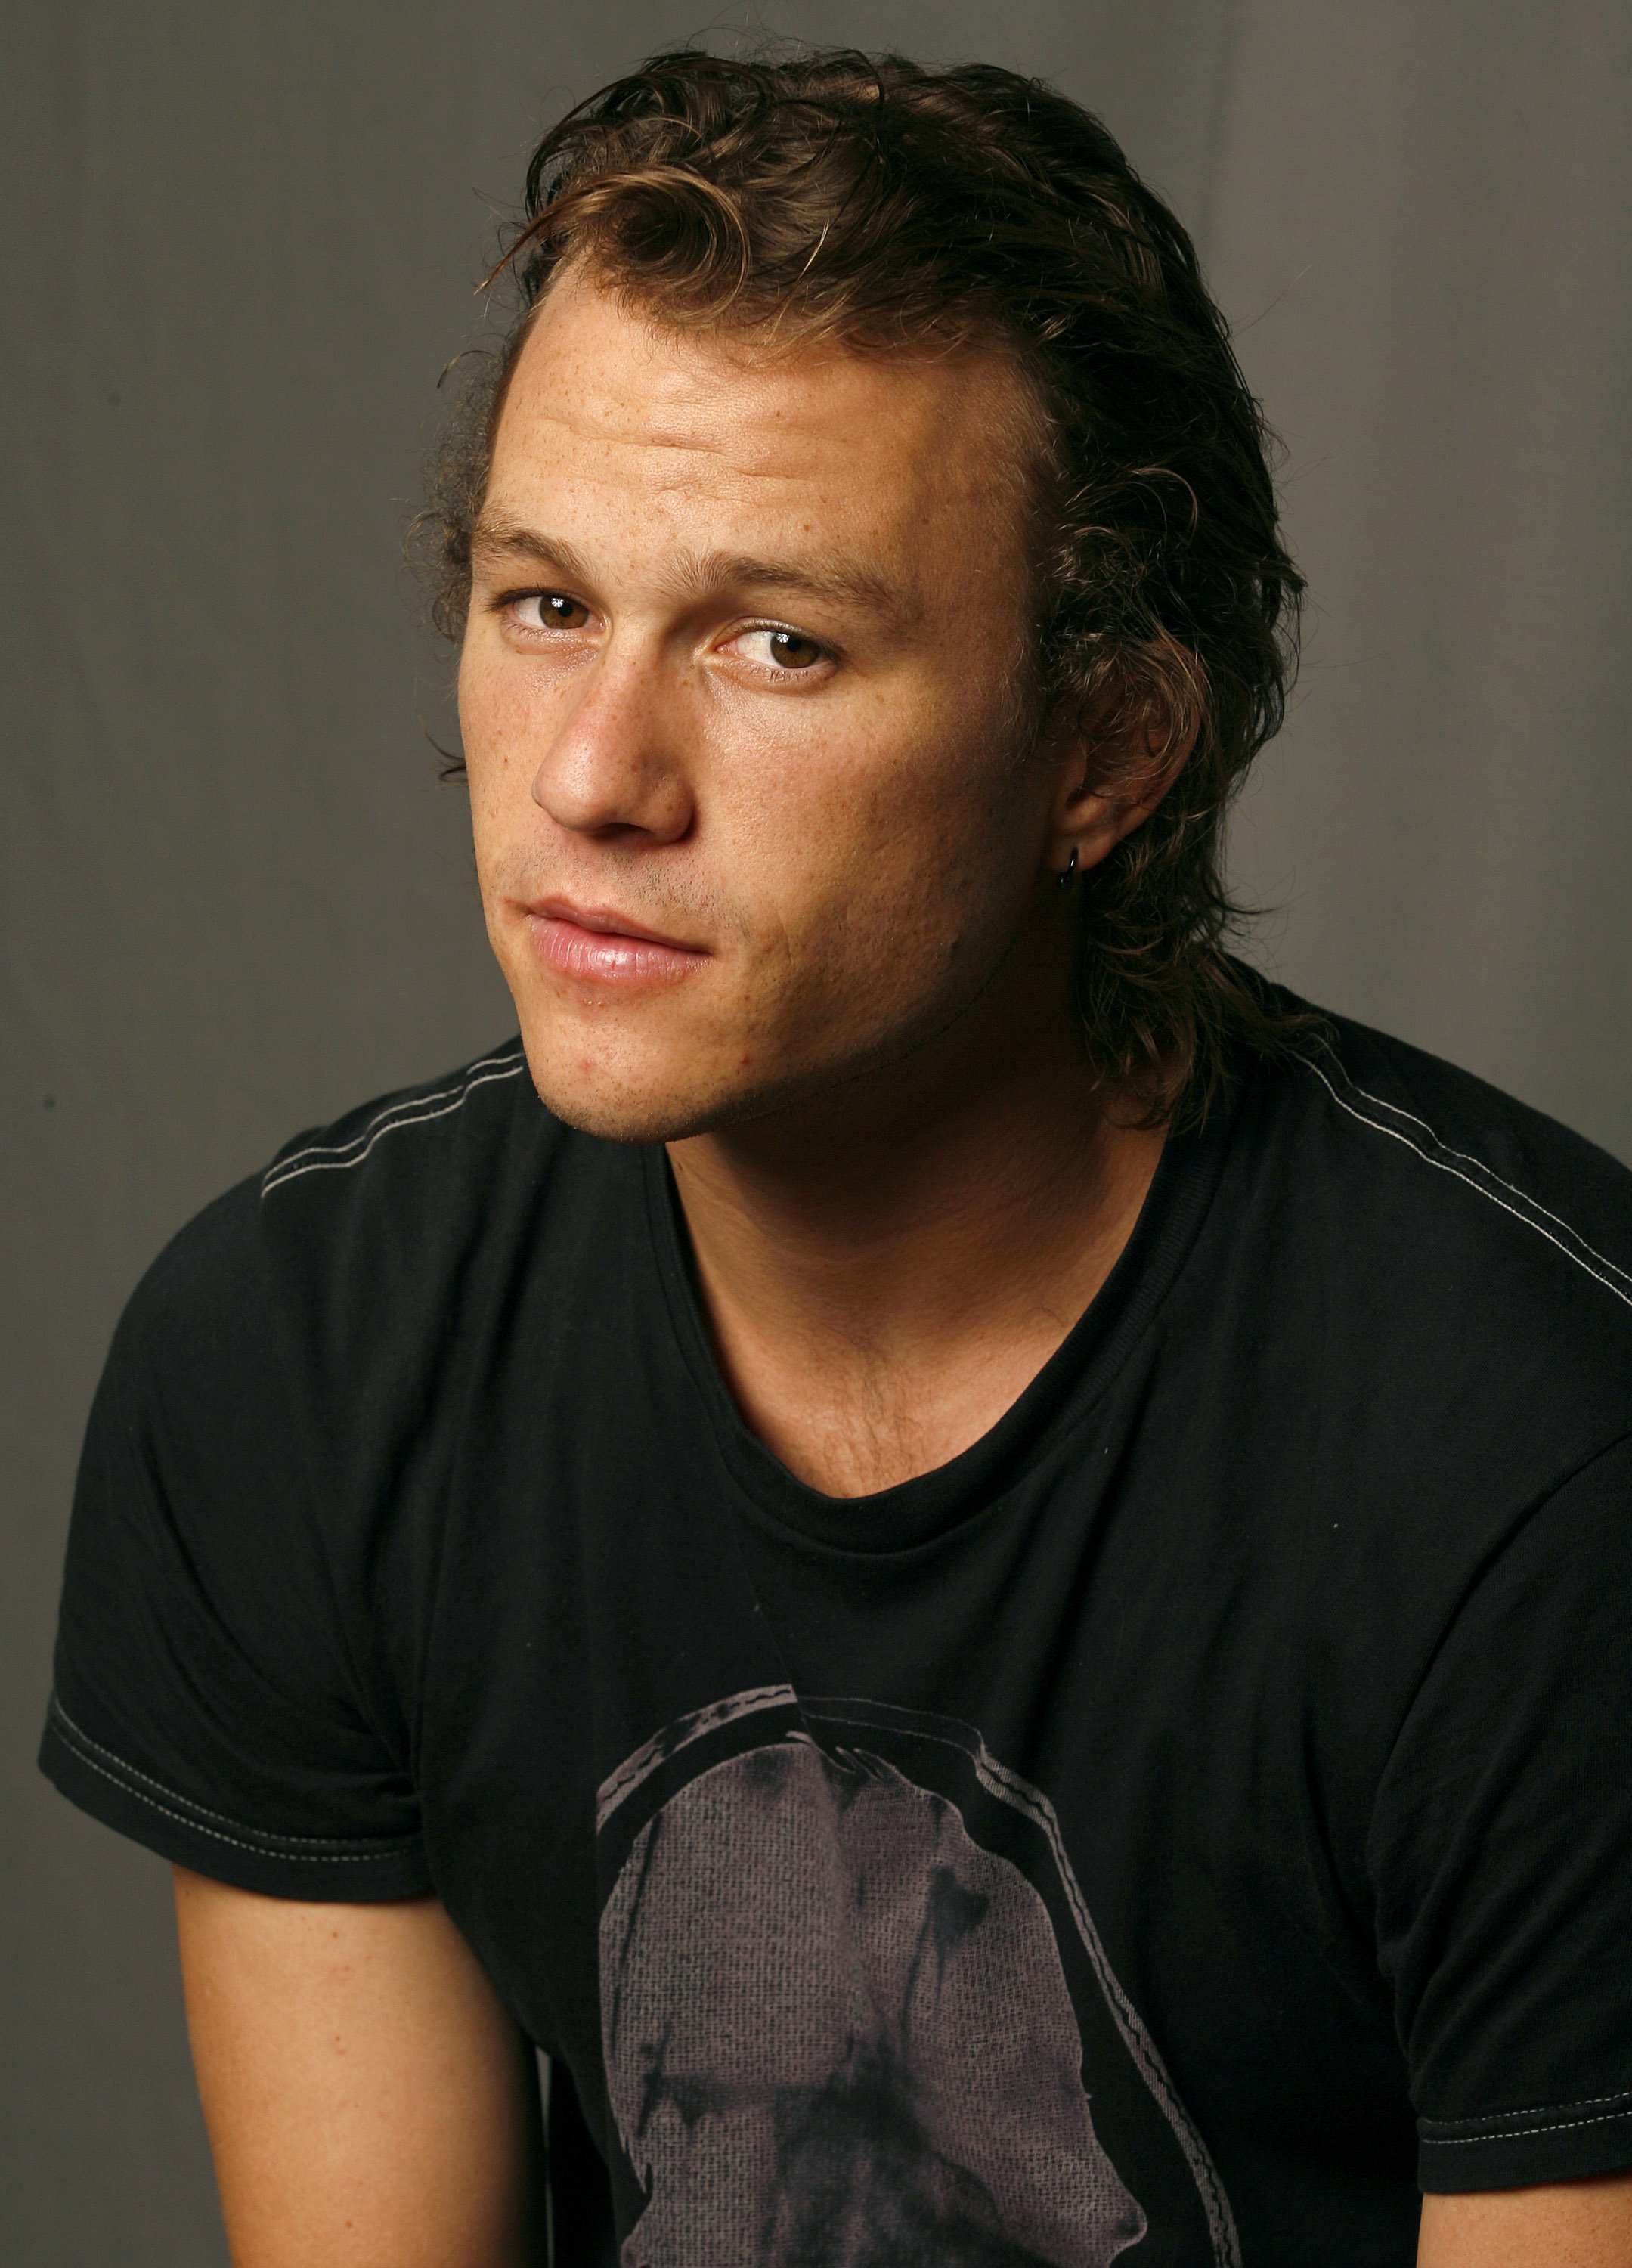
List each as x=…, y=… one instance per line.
x=610, y=414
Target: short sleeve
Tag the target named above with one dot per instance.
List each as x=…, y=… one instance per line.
x=1501, y=1856
x=206, y=1701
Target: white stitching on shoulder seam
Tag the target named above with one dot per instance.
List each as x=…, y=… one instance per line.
x=326, y=1157
x=1534, y=1203
x=1516, y=2133
x=406, y=1112
x=409, y=1103
x=1395, y=1135
x=1532, y=2110
x=122, y=1766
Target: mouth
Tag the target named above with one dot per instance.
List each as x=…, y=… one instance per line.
x=601, y=946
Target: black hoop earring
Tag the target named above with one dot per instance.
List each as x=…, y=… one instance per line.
x=1070, y=869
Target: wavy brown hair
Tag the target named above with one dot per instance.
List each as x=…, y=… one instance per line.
x=878, y=202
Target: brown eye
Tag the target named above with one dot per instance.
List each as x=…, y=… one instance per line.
x=788, y=652
x=549, y=610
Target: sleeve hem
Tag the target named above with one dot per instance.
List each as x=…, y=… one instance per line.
x=344, y=1869
x=1563, y=2143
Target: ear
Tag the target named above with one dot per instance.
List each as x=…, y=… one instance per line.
x=1122, y=751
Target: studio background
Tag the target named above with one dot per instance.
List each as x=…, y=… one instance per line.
x=239, y=246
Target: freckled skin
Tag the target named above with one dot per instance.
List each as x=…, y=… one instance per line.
x=857, y=847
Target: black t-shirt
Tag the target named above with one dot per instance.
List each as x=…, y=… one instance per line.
x=1173, y=1830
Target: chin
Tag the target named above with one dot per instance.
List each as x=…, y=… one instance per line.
x=669, y=1103
x=627, y=1118
x=626, y=1107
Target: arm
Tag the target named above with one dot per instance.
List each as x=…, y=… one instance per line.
x=1586, y=2224
x=369, y=2102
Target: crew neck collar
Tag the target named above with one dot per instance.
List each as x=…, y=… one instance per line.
x=918, y=1512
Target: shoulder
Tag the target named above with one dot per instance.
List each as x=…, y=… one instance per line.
x=1476, y=1165
x=416, y=1138
x=351, y=1248
x=1469, y=1260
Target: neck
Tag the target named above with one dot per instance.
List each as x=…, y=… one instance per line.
x=886, y=1267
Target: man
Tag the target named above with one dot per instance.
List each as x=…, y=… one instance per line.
x=972, y=1564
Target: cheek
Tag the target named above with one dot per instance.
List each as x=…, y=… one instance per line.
x=504, y=727
x=497, y=783
x=813, y=825
x=498, y=708
x=880, y=860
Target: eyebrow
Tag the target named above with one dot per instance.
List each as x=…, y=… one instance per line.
x=694, y=575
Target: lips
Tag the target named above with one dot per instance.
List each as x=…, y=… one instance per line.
x=601, y=945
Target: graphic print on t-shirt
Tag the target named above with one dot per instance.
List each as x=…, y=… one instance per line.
x=854, y=2011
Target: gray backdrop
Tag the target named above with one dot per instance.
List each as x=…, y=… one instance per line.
x=240, y=240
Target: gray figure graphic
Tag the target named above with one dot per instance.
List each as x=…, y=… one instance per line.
x=838, y=2035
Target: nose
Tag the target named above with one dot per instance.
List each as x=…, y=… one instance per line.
x=616, y=765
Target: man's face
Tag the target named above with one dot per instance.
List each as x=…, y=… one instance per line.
x=741, y=693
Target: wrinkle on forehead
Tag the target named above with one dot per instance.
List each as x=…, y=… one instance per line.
x=758, y=438
x=559, y=410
